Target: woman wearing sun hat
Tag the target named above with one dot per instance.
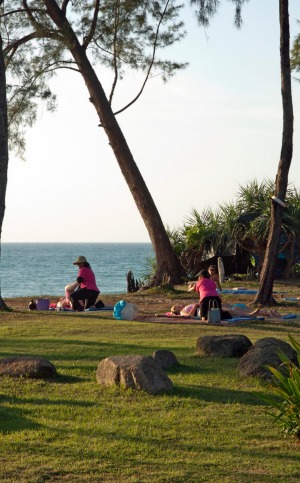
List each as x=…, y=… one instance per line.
x=88, y=290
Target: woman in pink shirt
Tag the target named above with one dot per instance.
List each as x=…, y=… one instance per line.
x=207, y=290
x=88, y=290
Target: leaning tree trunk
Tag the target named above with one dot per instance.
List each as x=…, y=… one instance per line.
x=264, y=295
x=3, y=149
x=168, y=266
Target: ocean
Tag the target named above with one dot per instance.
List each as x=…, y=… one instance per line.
x=36, y=269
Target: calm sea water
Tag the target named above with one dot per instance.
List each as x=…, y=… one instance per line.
x=33, y=269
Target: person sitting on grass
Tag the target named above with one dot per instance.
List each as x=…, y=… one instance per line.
x=213, y=275
x=207, y=290
x=88, y=291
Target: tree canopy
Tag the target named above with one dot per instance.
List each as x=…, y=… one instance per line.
x=120, y=35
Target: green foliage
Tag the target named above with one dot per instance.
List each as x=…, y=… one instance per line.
x=177, y=240
x=295, y=54
x=286, y=386
x=120, y=35
x=29, y=66
x=206, y=9
x=128, y=30
x=244, y=222
x=295, y=272
x=149, y=270
x=27, y=87
x=202, y=234
x=251, y=227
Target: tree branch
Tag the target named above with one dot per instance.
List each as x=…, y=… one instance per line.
x=151, y=62
x=90, y=35
x=31, y=16
x=114, y=84
x=64, y=6
x=34, y=35
x=12, y=12
x=14, y=45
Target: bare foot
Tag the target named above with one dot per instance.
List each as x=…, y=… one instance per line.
x=255, y=312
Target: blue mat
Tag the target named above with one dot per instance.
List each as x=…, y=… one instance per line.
x=236, y=319
x=91, y=309
x=288, y=316
x=242, y=291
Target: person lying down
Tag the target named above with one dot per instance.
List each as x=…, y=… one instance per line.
x=65, y=302
x=186, y=311
x=240, y=310
x=235, y=310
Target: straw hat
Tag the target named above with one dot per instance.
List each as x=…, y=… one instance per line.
x=80, y=260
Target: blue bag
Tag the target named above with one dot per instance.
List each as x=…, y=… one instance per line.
x=125, y=310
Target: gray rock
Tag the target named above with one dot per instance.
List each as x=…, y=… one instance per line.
x=27, y=366
x=265, y=353
x=166, y=359
x=228, y=345
x=280, y=344
x=133, y=371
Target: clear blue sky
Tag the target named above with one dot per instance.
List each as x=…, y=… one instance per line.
x=214, y=126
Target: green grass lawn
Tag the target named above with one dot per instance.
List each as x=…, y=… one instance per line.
x=212, y=427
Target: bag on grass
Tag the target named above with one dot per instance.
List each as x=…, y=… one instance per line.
x=43, y=304
x=125, y=310
x=99, y=304
x=214, y=313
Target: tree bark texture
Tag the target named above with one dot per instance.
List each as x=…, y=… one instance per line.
x=168, y=266
x=3, y=149
x=3, y=137
x=264, y=295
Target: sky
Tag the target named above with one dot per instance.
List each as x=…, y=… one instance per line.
x=215, y=126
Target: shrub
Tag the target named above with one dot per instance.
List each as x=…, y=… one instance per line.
x=286, y=386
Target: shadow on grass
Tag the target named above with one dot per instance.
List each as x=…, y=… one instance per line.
x=279, y=327
x=12, y=419
x=56, y=349
x=219, y=395
x=44, y=402
x=202, y=364
x=64, y=379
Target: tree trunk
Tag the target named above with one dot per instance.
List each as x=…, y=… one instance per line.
x=168, y=266
x=265, y=293
x=260, y=261
x=3, y=149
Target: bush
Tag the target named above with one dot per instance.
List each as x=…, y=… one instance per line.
x=286, y=386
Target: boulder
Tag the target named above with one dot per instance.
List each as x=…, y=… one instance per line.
x=27, y=366
x=165, y=359
x=133, y=371
x=265, y=353
x=228, y=345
